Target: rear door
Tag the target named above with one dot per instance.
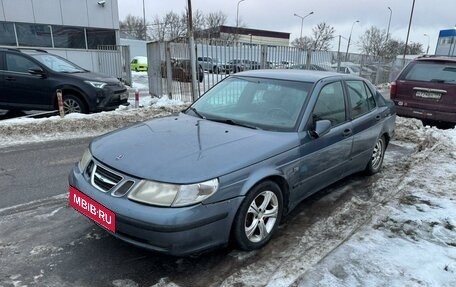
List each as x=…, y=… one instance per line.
x=428, y=85
x=24, y=90
x=366, y=122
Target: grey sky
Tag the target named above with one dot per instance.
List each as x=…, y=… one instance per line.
x=430, y=16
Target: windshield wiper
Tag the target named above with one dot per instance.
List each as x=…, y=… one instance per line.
x=196, y=112
x=234, y=123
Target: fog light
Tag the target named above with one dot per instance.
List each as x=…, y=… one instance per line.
x=400, y=103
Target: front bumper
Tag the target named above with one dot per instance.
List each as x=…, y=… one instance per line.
x=175, y=231
x=425, y=114
x=110, y=99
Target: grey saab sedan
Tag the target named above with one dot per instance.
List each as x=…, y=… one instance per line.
x=234, y=163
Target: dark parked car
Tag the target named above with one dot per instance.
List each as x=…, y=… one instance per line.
x=235, y=162
x=426, y=90
x=182, y=71
x=235, y=66
x=29, y=80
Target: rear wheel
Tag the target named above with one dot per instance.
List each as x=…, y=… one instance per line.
x=73, y=104
x=378, y=153
x=258, y=216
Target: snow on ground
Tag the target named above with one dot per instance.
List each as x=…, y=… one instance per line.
x=25, y=130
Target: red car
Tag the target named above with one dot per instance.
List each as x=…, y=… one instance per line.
x=426, y=90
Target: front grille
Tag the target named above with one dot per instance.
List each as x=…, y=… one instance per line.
x=104, y=179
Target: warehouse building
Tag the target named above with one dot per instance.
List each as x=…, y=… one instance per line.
x=85, y=32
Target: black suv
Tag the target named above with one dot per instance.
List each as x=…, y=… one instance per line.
x=29, y=80
x=426, y=90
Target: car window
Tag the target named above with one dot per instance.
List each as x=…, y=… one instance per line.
x=57, y=64
x=331, y=104
x=18, y=63
x=432, y=72
x=264, y=103
x=361, y=99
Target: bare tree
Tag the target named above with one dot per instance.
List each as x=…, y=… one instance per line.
x=322, y=36
x=133, y=28
x=305, y=43
x=373, y=42
x=215, y=19
x=169, y=27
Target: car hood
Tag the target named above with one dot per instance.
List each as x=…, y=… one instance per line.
x=185, y=149
x=91, y=76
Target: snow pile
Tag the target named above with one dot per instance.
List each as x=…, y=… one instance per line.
x=26, y=130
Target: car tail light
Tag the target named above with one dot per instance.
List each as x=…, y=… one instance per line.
x=393, y=90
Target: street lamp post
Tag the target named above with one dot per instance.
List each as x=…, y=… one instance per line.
x=349, y=38
x=237, y=18
x=429, y=39
x=302, y=20
x=237, y=13
x=144, y=22
x=389, y=24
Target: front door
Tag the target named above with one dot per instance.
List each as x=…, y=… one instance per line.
x=323, y=159
x=22, y=89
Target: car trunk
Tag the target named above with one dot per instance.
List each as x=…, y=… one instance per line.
x=425, y=95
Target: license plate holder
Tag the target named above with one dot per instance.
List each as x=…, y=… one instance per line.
x=428, y=95
x=92, y=209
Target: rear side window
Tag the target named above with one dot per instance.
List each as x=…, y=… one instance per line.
x=19, y=64
x=432, y=72
x=361, y=99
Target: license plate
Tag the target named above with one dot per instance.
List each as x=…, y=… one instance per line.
x=124, y=96
x=92, y=209
x=428, y=95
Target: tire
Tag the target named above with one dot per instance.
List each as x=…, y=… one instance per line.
x=73, y=104
x=378, y=153
x=251, y=228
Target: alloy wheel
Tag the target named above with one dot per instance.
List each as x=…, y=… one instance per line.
x=261, y=216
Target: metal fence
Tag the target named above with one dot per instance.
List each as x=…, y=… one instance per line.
x=169, y=65
x=114, y=60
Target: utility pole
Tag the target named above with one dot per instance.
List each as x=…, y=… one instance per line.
x=191, y=43
x=408, y=33
x=144, y=22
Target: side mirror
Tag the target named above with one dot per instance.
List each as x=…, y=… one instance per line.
x=322, y=127
x=37, y=72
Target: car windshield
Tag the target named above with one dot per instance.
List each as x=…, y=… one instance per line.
x=259, y=103
x=58, y=64
x=355, y=69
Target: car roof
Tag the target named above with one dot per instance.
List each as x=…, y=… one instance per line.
x=436, y=58
x=295, y=75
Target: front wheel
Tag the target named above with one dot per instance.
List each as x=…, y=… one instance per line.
x=378, y=153
x=258, y=216
x=73, y=104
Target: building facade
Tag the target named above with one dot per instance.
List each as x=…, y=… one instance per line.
x=247, y=36
x=446, y=45
x=73, y=29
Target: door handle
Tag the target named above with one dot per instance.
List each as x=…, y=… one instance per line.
x=378, y=117
x=347, y=132
x=10, y=79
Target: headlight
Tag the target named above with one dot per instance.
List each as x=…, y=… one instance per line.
x=95, y=84
x=86, y=157
x=163, y=194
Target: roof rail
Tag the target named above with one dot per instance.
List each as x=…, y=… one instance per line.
x=18, y=49
x=32, y=49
